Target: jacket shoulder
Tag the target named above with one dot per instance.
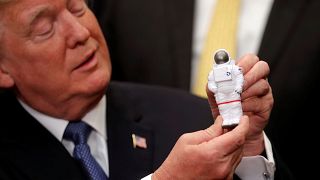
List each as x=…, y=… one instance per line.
x=156, y=96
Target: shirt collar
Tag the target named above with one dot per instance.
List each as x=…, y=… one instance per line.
x=96, y=118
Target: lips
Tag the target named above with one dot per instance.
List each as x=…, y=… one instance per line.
x=88, y=62
x=88, y=59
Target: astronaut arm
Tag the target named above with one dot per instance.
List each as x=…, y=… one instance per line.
x=238, y=79
x=212, y=85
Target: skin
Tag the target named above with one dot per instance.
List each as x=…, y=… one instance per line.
x=54, y=56
x=206, y=154
x=46, y=42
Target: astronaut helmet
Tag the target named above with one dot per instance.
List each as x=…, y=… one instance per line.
x=221, y=56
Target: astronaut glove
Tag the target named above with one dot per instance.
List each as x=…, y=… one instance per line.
x=238, y=90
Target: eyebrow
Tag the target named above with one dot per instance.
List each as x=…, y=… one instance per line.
x=35, y=14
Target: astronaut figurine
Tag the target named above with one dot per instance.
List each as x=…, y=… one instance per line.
x=225, y=81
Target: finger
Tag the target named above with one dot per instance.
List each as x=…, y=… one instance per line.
x=233, y=140
x=259, y=71
x=247, y=62
x=260, y=88
x=235, y=160
x=212, y=103
x=201, y=136
x=231, y=161
x=216, y=129
x=260, y=105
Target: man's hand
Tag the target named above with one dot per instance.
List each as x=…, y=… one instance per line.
x=257, y=101
x=206, y=154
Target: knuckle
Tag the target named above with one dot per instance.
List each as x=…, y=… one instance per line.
x=264, y=65
x=265, y=87
x=184, y=138
x=224, y=171
x=208, y=132
x=252, y=57
x=188, y=152
x=240, y=141
x=271, y=101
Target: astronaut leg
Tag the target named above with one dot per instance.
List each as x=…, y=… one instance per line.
x=231, y=113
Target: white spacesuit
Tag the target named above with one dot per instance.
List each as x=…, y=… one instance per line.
x=225, y=81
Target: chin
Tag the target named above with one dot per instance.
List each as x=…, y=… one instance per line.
x=98, y=83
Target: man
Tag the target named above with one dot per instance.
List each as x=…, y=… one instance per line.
x=160, y=39
x=55, y=62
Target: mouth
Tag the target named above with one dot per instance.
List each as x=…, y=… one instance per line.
x=89, y=61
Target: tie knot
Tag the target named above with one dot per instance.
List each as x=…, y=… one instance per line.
x=78, y=132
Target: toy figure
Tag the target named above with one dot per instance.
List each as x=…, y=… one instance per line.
x=225, y=81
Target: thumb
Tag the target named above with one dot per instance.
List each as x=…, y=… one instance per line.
x=234, y=139
x=205, y=135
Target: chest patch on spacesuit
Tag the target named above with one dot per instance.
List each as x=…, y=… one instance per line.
x=222, y=73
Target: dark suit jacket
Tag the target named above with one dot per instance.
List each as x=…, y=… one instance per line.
x=150, y=42
x=29, y=151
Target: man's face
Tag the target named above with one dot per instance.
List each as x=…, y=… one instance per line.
x=56, y=55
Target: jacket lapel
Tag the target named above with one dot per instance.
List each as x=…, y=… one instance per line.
x=32, y=150
x=125, y=160
x=280, y=27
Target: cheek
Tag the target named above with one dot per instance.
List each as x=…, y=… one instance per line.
x=97, y=34
x=94, y=28
x=37, y=67
x=28, y=55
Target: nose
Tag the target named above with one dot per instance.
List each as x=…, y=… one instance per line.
x=76, y=32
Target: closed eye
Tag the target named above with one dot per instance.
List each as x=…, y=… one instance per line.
x=78, y=8
x=43, y=29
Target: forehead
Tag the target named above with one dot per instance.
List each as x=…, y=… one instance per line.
x=19, y=14
x=23, y=9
